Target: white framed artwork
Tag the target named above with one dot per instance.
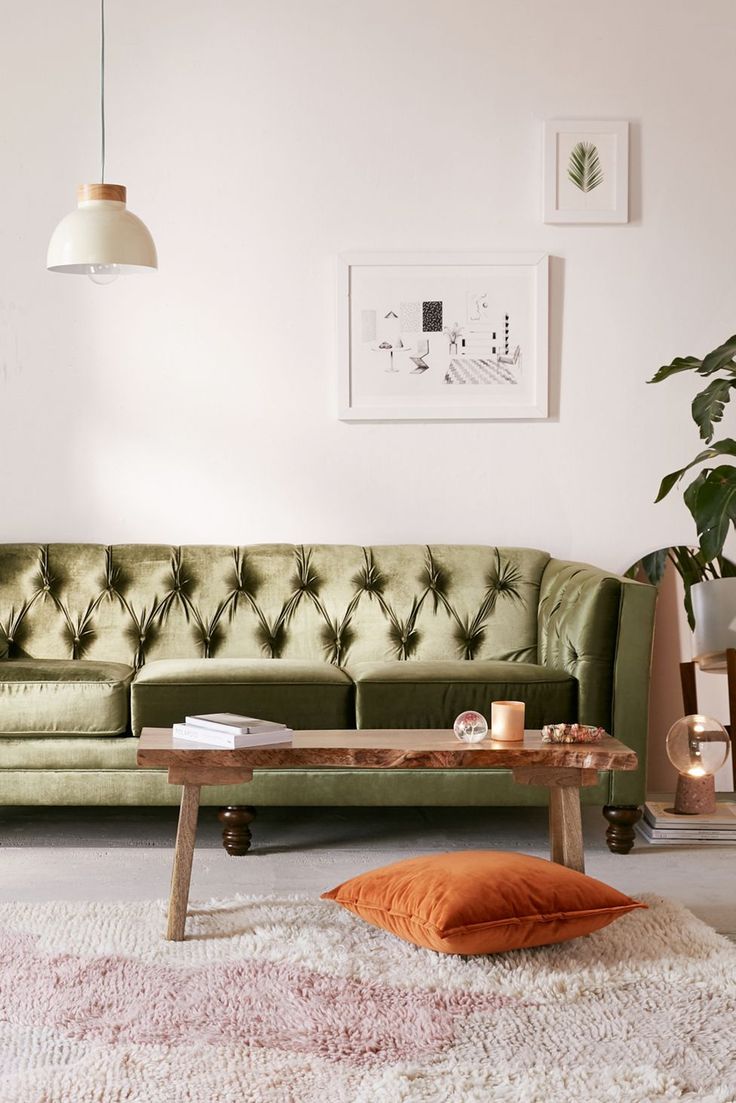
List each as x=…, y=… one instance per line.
x=586, y=171
x=442, y=336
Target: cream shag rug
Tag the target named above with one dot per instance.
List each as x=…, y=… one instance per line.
x=294, y=1000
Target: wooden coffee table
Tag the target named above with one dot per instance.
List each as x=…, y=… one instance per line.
x=563, y=768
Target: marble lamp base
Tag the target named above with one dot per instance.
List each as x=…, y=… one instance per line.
x=695, y=795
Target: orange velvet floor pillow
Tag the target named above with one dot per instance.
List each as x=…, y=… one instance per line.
x=481, y=901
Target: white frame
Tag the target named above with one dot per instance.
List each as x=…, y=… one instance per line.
x=539, y=262
x=619, y=213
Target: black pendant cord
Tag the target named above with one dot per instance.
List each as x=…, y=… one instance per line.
x=102, y=85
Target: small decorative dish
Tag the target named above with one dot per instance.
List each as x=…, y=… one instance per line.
x=572, y=733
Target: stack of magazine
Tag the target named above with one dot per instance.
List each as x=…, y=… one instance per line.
x=662, y=825
x=230, y=731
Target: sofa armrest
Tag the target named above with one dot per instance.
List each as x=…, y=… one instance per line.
x=598, y=627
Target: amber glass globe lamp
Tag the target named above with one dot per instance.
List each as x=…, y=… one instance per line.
x=697, y=747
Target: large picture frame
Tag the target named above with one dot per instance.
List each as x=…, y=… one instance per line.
x=586, y=171
x=442, y=336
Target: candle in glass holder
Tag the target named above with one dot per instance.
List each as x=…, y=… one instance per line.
x=507, y=721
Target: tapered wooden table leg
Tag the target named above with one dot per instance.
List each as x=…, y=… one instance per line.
x=566, y=828
x=183, y=855
x=565, y=822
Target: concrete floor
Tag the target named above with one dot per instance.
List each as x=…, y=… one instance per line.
x=125, y=854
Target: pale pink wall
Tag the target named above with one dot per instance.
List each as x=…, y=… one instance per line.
x=665, y=700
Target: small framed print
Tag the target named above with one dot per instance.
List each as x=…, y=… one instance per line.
x=586, y=171
x=442, y=336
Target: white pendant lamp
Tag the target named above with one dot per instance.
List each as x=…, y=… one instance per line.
x=101, y=239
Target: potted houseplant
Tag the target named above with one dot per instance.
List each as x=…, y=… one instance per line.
x=708, y=576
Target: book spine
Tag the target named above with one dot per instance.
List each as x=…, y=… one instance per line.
x=213, y=726
x=259, y=727
x=201, y=735
x=225, y=742
x=659, y=816
x=701, y=835
x=686, y=826
x=262, y=741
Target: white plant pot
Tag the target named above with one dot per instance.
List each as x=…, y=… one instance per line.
x=714, y=606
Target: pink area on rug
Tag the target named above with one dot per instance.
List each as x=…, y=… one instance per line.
x=120, y=1000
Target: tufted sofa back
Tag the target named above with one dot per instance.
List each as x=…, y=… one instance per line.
x=133, y=603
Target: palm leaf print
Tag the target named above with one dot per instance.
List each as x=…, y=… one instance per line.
x=584, y=169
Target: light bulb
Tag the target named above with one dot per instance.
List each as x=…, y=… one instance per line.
x=103, y=273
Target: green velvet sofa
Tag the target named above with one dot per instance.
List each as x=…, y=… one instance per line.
x=97, y=642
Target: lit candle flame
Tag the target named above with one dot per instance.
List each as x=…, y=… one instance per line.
x=696, y=771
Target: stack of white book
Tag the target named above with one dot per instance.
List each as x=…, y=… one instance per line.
x=230, y=731
x=661, y=824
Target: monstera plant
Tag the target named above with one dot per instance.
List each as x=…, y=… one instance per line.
x=710, y=496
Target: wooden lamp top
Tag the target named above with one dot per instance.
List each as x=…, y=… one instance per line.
x=112, y=192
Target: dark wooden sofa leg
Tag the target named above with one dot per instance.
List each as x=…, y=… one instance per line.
x=620, y=833
x=236, y=820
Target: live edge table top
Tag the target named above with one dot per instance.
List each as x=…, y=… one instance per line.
x=388, y=749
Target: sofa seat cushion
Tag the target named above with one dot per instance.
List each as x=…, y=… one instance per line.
x=71, y=697
x=431, y=694
x=300, y=694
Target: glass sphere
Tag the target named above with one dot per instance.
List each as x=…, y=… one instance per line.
x=103, y=273
x=470, y=727
x=697, y=745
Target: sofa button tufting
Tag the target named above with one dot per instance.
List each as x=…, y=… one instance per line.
x=47, y=587
x=142, y=638
x=76, y=639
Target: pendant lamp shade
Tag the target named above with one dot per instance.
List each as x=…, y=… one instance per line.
x=101, y=237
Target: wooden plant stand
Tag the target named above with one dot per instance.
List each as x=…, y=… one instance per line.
x=690, y=697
